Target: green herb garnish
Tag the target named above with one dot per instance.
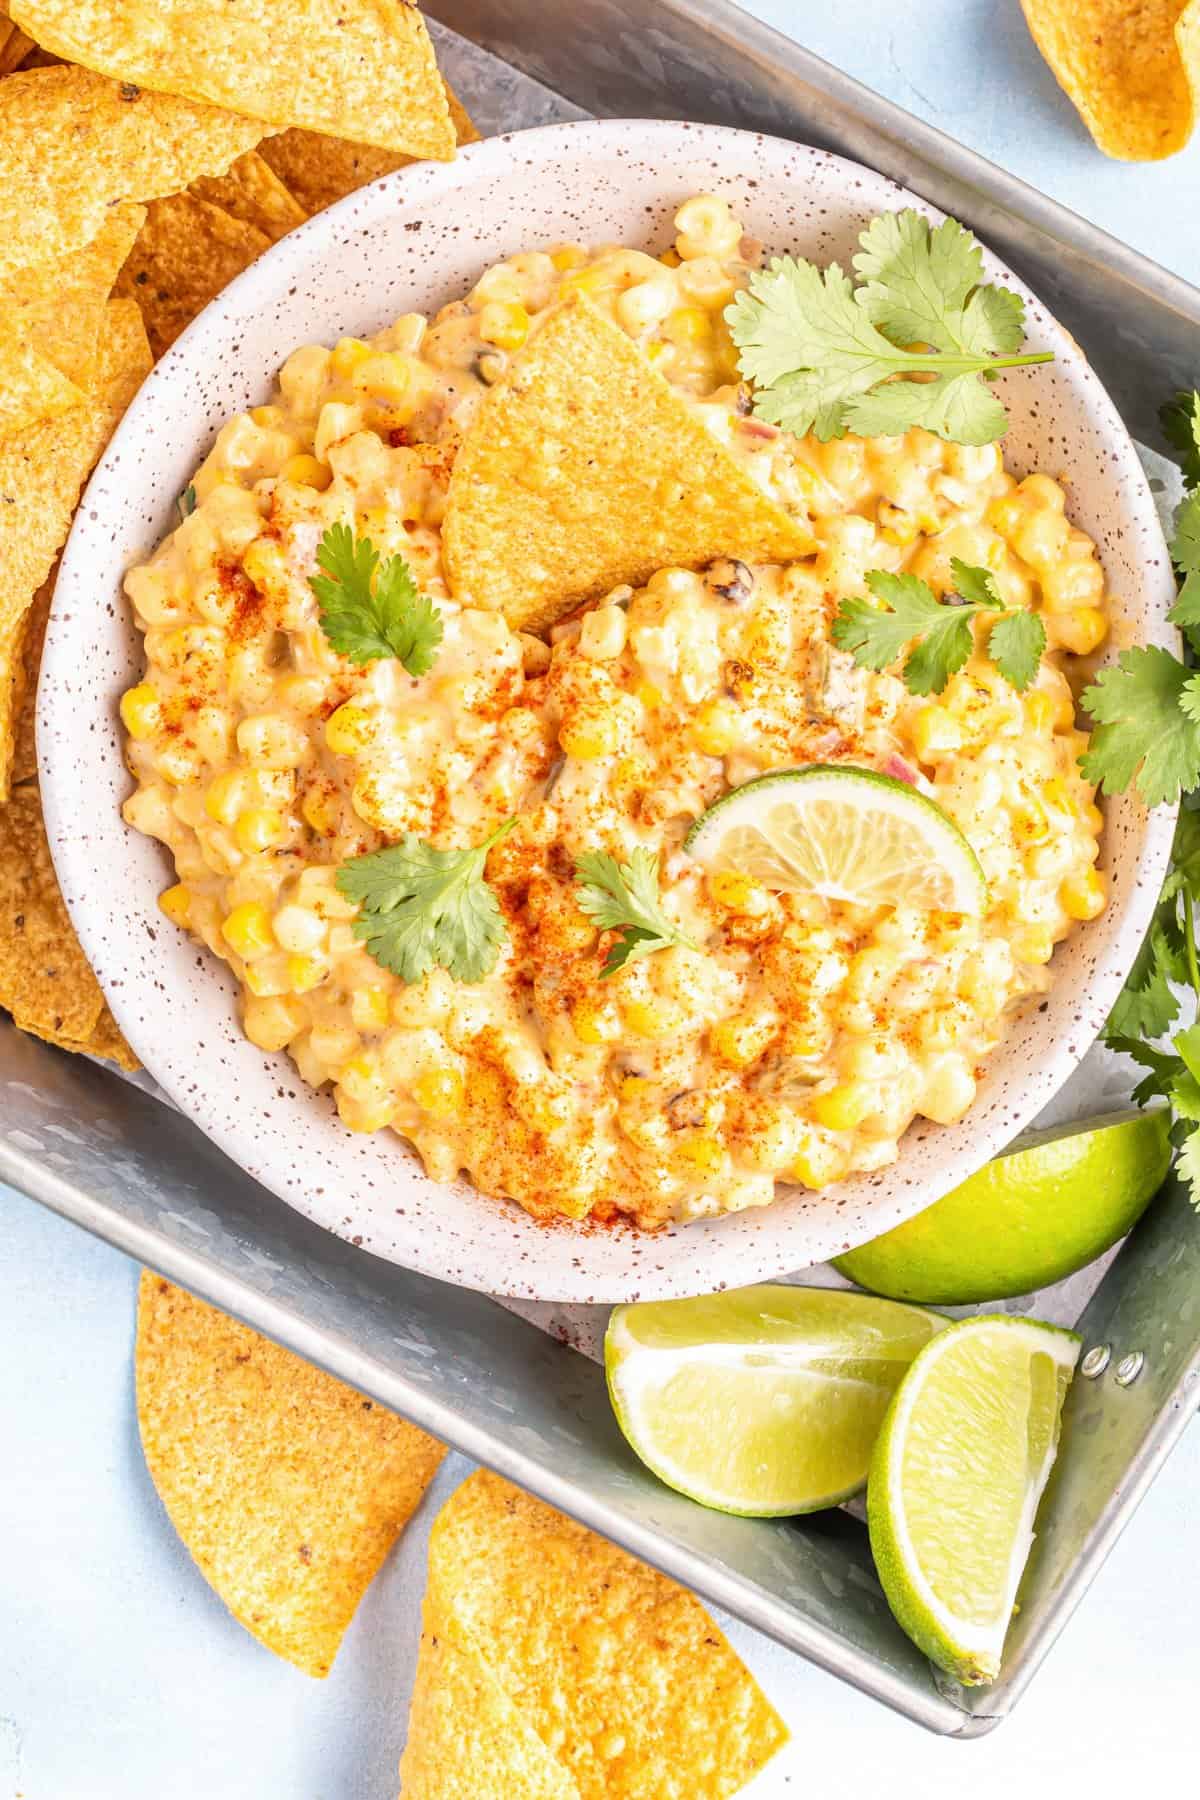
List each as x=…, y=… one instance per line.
x=423, y=907
x=829, y=357
x=624, y=897
x=185, y=503
x=372, y=608
x=940, y=630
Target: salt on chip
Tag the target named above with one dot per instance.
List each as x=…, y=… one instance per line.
x=186, y=252
x=320, y=170
x=1131, y=71
x=287, y=1487
x=620, y=1673
x=251, y=191
x=72, y=143
x=363, y=69
x=584, y=469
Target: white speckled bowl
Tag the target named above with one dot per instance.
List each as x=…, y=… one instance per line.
x=415, y=240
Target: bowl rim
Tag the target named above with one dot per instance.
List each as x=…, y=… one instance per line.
x=702, y=1267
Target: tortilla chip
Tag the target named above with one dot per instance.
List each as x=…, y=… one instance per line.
x=106, y=1041
x=583, y=469
x=14, y=47
x=72, y=143
x=320, y=170
x=363, y=69
x=45, y=982
x=1131, y=71
x=621, y=1674
x=27, y=660
x=42, y=471
x=287, y=1487
x=186, y=252
x=252, y=192
x=30, y=387
x=61, y=303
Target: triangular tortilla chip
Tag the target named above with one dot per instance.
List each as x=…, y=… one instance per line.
x=583, y=469
x=186, y=252
x=252, y=192
x=73, y=143
x=363, y=69
x=1132, y=71
x=287, y=1487
x=621, y=1674
x=30, y=387
x=319, y=170
x=14, y=46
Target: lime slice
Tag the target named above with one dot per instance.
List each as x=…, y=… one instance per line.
x=764, y=1400
x=845, y=833
x=958, y=1470
x=1053, y=1202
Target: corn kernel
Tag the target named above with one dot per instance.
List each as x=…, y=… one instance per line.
x=807, y=1037
x=349, y=730
x=440, y=1093
x=1081, y=631
x=365, y=1115
x=717, y=727
x=176, y=903
x=602, y=633
x=704, y=1154
x=687, y=325
x=272, y=1023
x=260, y=828
x=362, y=1078
x=1092, y=817
x=587, y=737
x=504, y=323
x=704, y=226
x=305, y=972
x=307, y=471
x=320, y=809
x=739, y=893
x=1040, y=710
x=266, y=978
x=592, y=280
x=298, y=928
x=568, y=257
x=1035, y=945
x=265, y=564
x=370, y=1008
x=247, y=930
x=654, y=1018
x=346, y=356
x=596, y=1022
x=226, y=797
x=936, y=733
x=141, y=713
x=267, y=418
x=740, y=1041
x=635, y=1087
x=818, y=1163
x=657, y=353
x=843, y=1107
x=1083, y=896
x=650, y=696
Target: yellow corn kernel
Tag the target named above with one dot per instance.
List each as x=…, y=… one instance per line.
x=440, y=1093
x=504, y=323
x=1083, y=896
x=818, y=1163
x=843, y=1107
x=1040, y=711
x=589, y=736
x=346, y=356
x=267, y=418
x=267, y=978
x=704, y=1154
x=265, y=563
x=176, y=903
x=807, y=1037
x=936, y=733
x=1034, y=945
x=247, y=930
x=1081, y=631
x=717, y=727
x=740, y=1041
x=363, y=1078
x=271, y=1023
x=1055, y=795
x=370, y=1008
x=738, y=893
x=568, y=257
x=320, y=810
x=596, y=1021
x=704, y=226
x=602, y=633
x=307, y=471
x=543, y=1111
x=1091, y=815
x=654, y=1018
x=650, y=696
x=687, y=325
x=365, y=1115
x=655, y=353
x=141, y=712
x=226, y=796
x=260, y=828
x=635, y=1087
x=349, y=730
x=305, y=972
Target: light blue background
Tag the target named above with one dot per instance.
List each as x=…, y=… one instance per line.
x=121, y=1676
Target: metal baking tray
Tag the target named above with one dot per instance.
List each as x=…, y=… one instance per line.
x=508, y=1390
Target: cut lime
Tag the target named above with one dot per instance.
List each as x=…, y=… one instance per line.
x=845, y=833
x=958, y=1470
x=1054, y=1201
x=764, y=1400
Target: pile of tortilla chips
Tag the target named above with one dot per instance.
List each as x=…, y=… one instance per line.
x=1133, y=72
x=149, y=151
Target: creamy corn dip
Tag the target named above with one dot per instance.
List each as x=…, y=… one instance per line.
x=801, y=1038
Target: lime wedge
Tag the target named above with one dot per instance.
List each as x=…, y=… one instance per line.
x=763, y=1400
x=958, y=1470
x=845, y=833
x=1053, y=1202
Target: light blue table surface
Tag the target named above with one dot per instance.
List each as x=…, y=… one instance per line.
x=122, y=1678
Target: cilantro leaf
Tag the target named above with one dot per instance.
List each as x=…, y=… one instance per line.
x=1142, y=730
x=421, y=907
x=185, y=503
x=624, y=897
x=1187, y=1165
x=1164, y=1069
x=371, y=608
x=1185, y=553
x=1016, y=645
x=1181, y=427
x=817, y=348
x=976, y=586
x=1146, y=1007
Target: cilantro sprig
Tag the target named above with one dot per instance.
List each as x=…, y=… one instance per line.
x=372, y=608
x=908, y=612
x=624, y=897
x=422, y=907
x=916, y=343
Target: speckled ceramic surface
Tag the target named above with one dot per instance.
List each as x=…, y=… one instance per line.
x=415, y=240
